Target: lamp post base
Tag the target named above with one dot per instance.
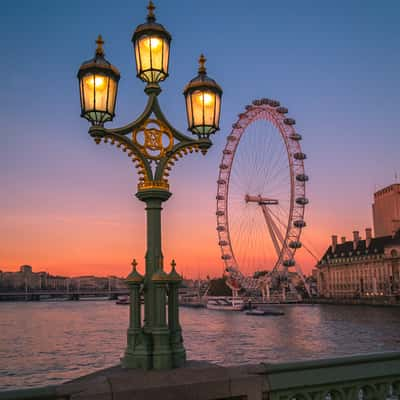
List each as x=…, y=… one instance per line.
x=178, y=356
x=138, y=353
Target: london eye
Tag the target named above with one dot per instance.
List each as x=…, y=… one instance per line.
x=261, y=195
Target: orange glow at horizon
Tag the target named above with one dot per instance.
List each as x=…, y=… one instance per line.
x=73, y=245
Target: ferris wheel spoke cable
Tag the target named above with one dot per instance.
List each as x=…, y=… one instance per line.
x=275, y=160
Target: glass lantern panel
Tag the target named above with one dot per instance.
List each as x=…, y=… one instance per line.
x=197, y=108
x=203, y=107
x=95, y=89
x=209, y=108
x=112, y=95
x=165, y=57
x=88, y=92
x=217, y=111
x=189, y=111
x=143, y=54
x=81, y=94
x=139, y=67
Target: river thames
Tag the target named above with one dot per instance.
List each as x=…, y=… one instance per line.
x=46, y=343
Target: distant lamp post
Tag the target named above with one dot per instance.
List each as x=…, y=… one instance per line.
x=154, y=146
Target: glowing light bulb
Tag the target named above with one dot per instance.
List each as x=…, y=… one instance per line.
x=205, y=98
x=98, y=82
x=153, y=43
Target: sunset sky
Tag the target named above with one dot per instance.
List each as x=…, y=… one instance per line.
x=67, y=206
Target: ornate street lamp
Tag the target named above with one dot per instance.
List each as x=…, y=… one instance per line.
x=154, y=146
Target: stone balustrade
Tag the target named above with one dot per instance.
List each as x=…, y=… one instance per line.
x=360, y=377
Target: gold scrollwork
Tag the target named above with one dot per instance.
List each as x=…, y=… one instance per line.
x=153, y=138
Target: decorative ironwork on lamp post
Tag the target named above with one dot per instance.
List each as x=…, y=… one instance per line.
x=154, y=146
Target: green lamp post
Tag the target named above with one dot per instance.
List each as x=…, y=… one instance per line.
x=154, y=146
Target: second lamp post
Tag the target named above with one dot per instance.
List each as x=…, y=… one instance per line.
x=154, y=146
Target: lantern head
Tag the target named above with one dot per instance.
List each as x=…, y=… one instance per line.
x=98, y=85
x=203, y=103
x=151, y=42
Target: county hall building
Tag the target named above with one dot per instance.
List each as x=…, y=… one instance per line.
x=370, y=266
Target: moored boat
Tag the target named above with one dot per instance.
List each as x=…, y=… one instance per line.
x=225, y=303
x=122, y=300
x=256, y=311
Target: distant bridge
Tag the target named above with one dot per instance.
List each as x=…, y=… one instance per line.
x=37, y=294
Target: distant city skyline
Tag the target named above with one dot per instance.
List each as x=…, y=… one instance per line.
x=68, y=206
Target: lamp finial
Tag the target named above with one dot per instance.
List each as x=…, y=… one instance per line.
x=151, y=16
x=134, y=264
x=202, y=62
x=99, y=49
x=173, y=264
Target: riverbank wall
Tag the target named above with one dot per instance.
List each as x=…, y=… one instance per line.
x=373, y=301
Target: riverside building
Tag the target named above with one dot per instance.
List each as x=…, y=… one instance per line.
x=370, y=267
x=386, y=210
x=361, y=268
x=26, y=280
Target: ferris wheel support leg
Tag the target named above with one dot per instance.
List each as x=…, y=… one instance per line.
x=271, y=229
x=300, y=273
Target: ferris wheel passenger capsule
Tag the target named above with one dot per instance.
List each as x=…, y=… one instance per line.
x=299, y=156
x=223, y=166
x=282, y=110
x=295, y=244
x=220, y=213
x=223, y=243
x=220, y=197
x=302, y=201
x=289, y=121
x=274, y=103
x=226, y=257
x=299, y=223
x=289, y=262
x=221, y=181
x=220, y=228
x=296, y=136
x=231, y=138
x=302, y=177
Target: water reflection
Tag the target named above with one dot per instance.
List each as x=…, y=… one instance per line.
x=47, y=343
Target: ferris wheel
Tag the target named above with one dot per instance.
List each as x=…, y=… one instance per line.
x=261, y=193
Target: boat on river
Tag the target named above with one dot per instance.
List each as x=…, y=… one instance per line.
x=256, y=311
x=225, y=303
x=123, y=300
